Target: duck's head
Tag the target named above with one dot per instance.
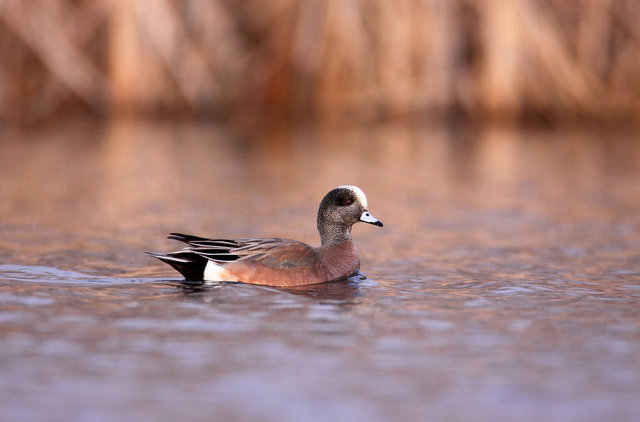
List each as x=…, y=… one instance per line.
x=340, y=209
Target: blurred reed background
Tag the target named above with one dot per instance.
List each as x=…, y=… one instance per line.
x=336, y=60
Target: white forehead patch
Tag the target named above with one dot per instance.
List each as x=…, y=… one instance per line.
x=359, y=194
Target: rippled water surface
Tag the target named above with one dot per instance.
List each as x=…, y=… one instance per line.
x=505, y=284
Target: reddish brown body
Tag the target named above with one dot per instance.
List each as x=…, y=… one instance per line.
x=297, y=264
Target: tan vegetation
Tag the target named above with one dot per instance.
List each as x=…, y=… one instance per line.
x=328, y=59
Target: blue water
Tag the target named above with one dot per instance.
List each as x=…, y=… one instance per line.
x=505, y=284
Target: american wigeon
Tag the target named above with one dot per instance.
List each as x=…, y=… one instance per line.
x=280, y=262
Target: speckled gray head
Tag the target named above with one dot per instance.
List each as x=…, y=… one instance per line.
x=340, y=209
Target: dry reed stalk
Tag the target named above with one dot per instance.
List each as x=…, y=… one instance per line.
x=58, y=39
x=337, y=59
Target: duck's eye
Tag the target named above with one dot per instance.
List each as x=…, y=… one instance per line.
x=345, y=202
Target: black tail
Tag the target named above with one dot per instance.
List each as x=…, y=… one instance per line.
x=189, y=264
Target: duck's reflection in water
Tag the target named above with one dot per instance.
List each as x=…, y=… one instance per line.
x=343, y=290
x=346, y=290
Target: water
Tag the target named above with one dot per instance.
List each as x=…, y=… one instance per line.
x=505, y=284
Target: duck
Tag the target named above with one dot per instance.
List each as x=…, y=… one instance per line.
x=280, y=262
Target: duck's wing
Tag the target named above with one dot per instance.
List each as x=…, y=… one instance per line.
x=218, y=250
x=272, y=252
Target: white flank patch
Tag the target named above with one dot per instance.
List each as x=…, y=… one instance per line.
x=215, y=272
x=362, y=198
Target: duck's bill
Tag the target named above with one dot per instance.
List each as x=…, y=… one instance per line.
x=368, y=218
